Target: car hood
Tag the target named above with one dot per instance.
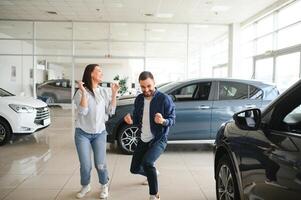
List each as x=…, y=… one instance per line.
x=123, y=102
x=27, y=101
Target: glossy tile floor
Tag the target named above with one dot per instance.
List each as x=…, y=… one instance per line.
x=44, y=165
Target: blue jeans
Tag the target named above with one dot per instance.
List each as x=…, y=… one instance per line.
x=143, y=162
x=84, y=141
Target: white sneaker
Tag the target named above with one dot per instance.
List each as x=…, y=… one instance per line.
x=104, y=193
x=154, y=197
x=85, y=189
x=146, y=182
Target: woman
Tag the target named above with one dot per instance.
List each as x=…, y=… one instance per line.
x=94, y=105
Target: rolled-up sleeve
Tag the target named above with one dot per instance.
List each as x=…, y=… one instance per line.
x=110, y=109
x=77, y=98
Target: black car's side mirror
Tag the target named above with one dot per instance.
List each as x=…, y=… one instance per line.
x=248, y=119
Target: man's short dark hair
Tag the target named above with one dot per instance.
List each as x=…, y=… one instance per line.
x=145, y=75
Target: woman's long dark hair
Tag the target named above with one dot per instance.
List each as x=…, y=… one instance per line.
x=87, y=77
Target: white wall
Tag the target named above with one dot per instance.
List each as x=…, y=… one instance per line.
x=22, y=83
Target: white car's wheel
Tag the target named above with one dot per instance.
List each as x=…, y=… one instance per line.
x=5, y=132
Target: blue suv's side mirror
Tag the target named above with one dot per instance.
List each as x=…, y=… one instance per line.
x=248, y=119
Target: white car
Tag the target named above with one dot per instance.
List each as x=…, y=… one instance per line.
x=21, y=115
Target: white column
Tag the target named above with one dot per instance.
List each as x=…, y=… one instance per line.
x=233, y=55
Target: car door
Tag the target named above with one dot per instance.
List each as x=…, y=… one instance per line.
x=193, y=112
x=65, y=91
x=271, y=162
x=232, y=97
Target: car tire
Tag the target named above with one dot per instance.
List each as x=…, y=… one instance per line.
x=5, y=132
x=127, y=139
x=226, y=181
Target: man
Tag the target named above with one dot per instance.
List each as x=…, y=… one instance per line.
x=154, y=113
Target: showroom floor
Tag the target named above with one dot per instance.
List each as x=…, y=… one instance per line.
x=45, y=166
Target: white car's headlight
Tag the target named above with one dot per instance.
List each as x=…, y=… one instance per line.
x=21, y=108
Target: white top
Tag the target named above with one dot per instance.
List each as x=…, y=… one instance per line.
x=92, y=118
x=146, y=134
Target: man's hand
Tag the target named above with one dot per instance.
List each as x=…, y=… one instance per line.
x=159, y=119
x=128, y=119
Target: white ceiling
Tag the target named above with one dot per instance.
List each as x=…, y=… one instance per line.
x=182, y=11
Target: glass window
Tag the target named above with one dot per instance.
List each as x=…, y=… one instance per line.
x=232, y=91
x=245, y=69
x=159, y=66
x=264, y=69
x=287, y=70
x=16, y=29
x=54, y=47
x=91, y=48
x=248, y=49
x=289, y=36
x=290, y=14
x=265, y=44
x=220, y=72
x=4, y=93
x=255, y=93
x=157, y=49
x=166, y=32
x=193, y=92
x=127, y=49
x=16, y=47
x=91, y=31
x=265, y=25
x=127, y=31
x=294, y=119
x=54, y=30
x=248, y=33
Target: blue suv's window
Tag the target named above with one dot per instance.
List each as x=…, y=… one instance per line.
x=193, y=92
x=232, y=91
x=255, y=93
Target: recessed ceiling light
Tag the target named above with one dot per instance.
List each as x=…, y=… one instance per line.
x=220, y=8
x=148, y=14
x=52, y=12
x=158, y=30
x=164, y=15
x=200, y=26
x=115, y=5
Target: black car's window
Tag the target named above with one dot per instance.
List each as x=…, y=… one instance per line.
x=255, y=93
x=193, y=92
x=293, y=120
x=4, y=93
x=232, y=91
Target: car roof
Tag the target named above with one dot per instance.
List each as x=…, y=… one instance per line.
x=246, y=81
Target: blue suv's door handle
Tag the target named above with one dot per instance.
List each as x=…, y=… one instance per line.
x=203, y=107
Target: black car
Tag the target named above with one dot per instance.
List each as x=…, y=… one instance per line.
x=257, y=156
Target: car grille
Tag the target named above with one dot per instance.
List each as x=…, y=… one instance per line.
x=42, y=114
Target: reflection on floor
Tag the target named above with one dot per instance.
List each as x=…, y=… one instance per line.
x=44, y=165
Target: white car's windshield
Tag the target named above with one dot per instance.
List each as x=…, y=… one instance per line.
x=4, y=93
